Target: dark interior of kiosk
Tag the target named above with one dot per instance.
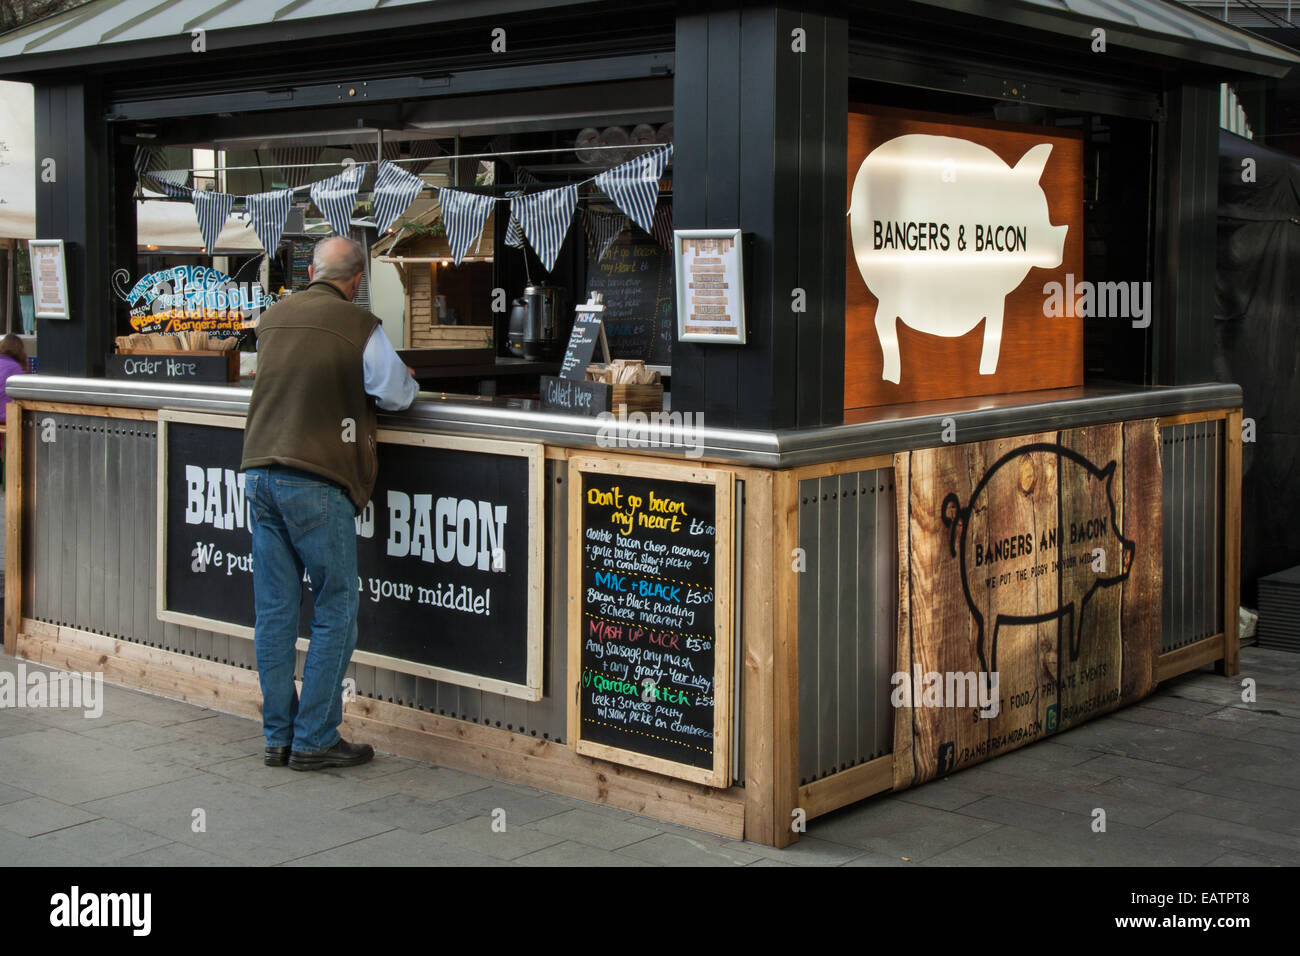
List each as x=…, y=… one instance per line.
x=1119, y=189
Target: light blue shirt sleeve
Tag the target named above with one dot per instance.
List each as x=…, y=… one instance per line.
x=385, y=374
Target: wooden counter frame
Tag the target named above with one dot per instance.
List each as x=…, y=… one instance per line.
x=530, y=690
x=765, y=810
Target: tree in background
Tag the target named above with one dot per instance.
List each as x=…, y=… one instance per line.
x=14, y=13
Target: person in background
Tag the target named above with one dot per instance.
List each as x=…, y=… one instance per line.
x=310, y=464
x=13, y=361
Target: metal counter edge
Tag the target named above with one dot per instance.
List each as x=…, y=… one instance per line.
x=884, y=430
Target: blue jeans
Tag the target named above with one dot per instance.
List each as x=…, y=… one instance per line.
x=300, y=521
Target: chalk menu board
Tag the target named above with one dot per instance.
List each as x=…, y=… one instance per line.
x=448, y=552
x=650, y=641
x=636, y=277
x=301, y=250
x=582, y=344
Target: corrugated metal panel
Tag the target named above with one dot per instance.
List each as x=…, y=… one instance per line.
x=91, y=544
x=848, y=596
x=1192, y=601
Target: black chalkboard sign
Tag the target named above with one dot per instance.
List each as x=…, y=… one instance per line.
x=178, y=367
x=582, y=343
x=636, y=278
x=570, y=395
x=448, y=552
x=651, y=653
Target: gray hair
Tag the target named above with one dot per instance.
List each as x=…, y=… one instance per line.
x=337, y=259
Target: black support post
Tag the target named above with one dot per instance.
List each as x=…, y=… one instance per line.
x=760, y=138
x=74, y=200
x=1183, y=323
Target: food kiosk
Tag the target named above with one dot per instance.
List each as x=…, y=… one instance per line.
x=943, y=470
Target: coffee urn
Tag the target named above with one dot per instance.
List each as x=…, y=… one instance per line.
x=541, y=321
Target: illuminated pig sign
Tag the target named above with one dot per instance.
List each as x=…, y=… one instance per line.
x=943, y=230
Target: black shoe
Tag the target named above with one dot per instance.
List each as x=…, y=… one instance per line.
x=342, y=754
x=277, y=756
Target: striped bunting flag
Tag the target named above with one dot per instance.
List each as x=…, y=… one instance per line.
x=602, y=229
x=663, y=230
x=268, y=212
x=336, y=197
x=170, y=182
x=634, y=185
x=395, y=190
x=544, y=218
x=514, y=235
x=463, y=215
x=211, y=209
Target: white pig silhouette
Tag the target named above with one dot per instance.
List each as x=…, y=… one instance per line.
x=926, y=180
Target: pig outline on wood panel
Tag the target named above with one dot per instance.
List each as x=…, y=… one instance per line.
x=950, y=319
x=953, y=515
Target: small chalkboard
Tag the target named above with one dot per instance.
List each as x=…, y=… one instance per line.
x=636, y=277
x=650, y=634
x=571, y=395
x=179, y=366
x=587, y=331
x=448, y=551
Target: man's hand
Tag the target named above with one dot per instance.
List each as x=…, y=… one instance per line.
x=410, y=371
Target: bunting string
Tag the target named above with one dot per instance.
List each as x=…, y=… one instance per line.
x=541, y=218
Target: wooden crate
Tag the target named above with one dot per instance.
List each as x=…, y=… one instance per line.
x=637, y=398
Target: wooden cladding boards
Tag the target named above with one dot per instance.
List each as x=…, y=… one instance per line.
x=464, y=287
x=762, y=148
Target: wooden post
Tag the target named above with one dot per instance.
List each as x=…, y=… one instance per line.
x=785, y=659
x=1230, y=665
x=13, y=524
x=758, y=723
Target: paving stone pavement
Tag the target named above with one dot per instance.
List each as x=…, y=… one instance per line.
x=1191, y=776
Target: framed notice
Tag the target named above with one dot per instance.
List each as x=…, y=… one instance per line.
x=449, y=552
x=650, y=616
x=49, y=278
x=710, y=285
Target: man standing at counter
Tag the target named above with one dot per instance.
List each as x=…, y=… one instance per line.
x=311, y=463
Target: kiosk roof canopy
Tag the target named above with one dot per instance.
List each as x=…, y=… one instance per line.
x=107, y=31
x=1163, y=27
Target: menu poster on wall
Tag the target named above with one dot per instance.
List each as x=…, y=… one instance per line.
x=449, y=569
x=1031, y=590
x=650, y=641
x=710, y=285
x=49, y=278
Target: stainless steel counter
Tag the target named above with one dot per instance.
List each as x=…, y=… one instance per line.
x=869, y=432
